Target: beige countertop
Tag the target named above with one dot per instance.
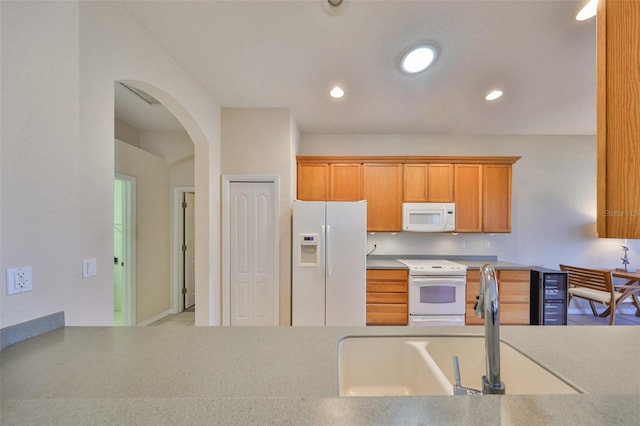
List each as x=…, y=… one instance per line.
x=288, y=375
x=390, y=262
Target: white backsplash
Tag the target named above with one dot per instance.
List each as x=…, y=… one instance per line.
x=420, y=243
x=506, y=247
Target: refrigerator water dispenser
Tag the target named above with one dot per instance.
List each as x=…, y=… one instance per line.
x=308, y=249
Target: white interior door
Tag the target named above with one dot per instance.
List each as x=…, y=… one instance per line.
x=189, y=263
x=253, y=253
x=124, y=232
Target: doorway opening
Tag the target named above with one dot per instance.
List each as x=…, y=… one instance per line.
x=124, y=300
x=145, y=134
x=184, y=282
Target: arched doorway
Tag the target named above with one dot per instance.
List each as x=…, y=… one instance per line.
x=154, y=148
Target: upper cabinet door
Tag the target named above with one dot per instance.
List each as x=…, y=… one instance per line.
x=440, y=183
x=345, y=182
x=313, y=182
x=497, y=198
x=468, y=197
x=415, y=183
x=618, y=119
x=480, y=187
x=428, y=183
x=383, y=192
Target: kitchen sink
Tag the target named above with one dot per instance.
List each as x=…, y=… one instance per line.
x=386, y=366
x=405, y=366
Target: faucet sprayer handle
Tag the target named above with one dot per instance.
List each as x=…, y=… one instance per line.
x=456, y=370
x=458, y=389
x=479, y=306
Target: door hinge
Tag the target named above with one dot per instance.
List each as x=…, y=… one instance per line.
x=184, y=247
x=184, y=204
x=184, y=291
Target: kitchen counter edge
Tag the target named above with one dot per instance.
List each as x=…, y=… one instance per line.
x=288, y=375
x=389, y=262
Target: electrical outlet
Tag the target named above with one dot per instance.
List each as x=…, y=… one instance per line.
x=19, y=280
x=463, y=244
x=487, y=244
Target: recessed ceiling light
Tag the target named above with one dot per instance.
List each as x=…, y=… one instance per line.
x=417, y=58
x=493, y=95
x=588, y=11
x=336, y=92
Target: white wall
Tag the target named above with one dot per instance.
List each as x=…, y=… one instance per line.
x=153, y=284
x=57, y=133
x=553, y=198
x=126, y=133
x=261, y=142
x=173, y=146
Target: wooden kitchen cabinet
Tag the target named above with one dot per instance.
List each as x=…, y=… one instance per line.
x=513, y=289
x=618, y=119
x=468, y=197
x=383, y=192
x=415, y=183
x=496, y=215
x=313, y=182
x=428, y=183
x=480, y=187
x=345, y=182
x=387, y=297
x=483, y=197
x=330, y=182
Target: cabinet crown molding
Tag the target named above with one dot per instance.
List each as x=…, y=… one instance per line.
x=409, y=159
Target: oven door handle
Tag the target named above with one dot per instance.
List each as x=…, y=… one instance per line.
x=437, y=280
x=426, y=320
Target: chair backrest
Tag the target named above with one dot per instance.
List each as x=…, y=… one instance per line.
x=597, y=279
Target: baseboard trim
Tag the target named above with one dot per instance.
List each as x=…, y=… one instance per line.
x=28, y=329
x=155, y=318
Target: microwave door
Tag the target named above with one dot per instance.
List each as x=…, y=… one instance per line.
x=424, y=219
x=427, y=217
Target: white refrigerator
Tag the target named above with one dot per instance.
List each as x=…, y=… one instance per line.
x=329, y=255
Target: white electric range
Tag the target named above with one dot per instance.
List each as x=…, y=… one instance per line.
x=437, y=292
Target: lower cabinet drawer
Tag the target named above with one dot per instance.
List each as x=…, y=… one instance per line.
x=515, y=315
x=513, y=286
x=386, y=298
x=510, y=314
x=387, y=314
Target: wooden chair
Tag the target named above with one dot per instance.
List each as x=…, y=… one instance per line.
x=593, y=285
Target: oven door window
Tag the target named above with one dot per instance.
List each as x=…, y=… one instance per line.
x=437, y=294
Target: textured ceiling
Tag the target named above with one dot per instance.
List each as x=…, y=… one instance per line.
x=288, y=54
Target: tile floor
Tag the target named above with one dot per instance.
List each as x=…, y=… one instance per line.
x=588, y=319
x=186, y=318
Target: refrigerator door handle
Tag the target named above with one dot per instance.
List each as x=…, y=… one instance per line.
x=328, y=250
x=322, y=250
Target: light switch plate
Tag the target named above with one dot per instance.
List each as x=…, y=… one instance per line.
x=19, y=280
x=89, y=267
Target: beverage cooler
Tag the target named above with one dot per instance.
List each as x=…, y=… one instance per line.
x=548, y=297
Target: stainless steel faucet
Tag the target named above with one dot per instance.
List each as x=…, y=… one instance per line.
x=488, y=308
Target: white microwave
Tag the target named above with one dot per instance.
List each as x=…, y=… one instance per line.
x=428, y=217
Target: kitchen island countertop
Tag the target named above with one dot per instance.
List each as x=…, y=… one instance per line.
x=288, y=375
